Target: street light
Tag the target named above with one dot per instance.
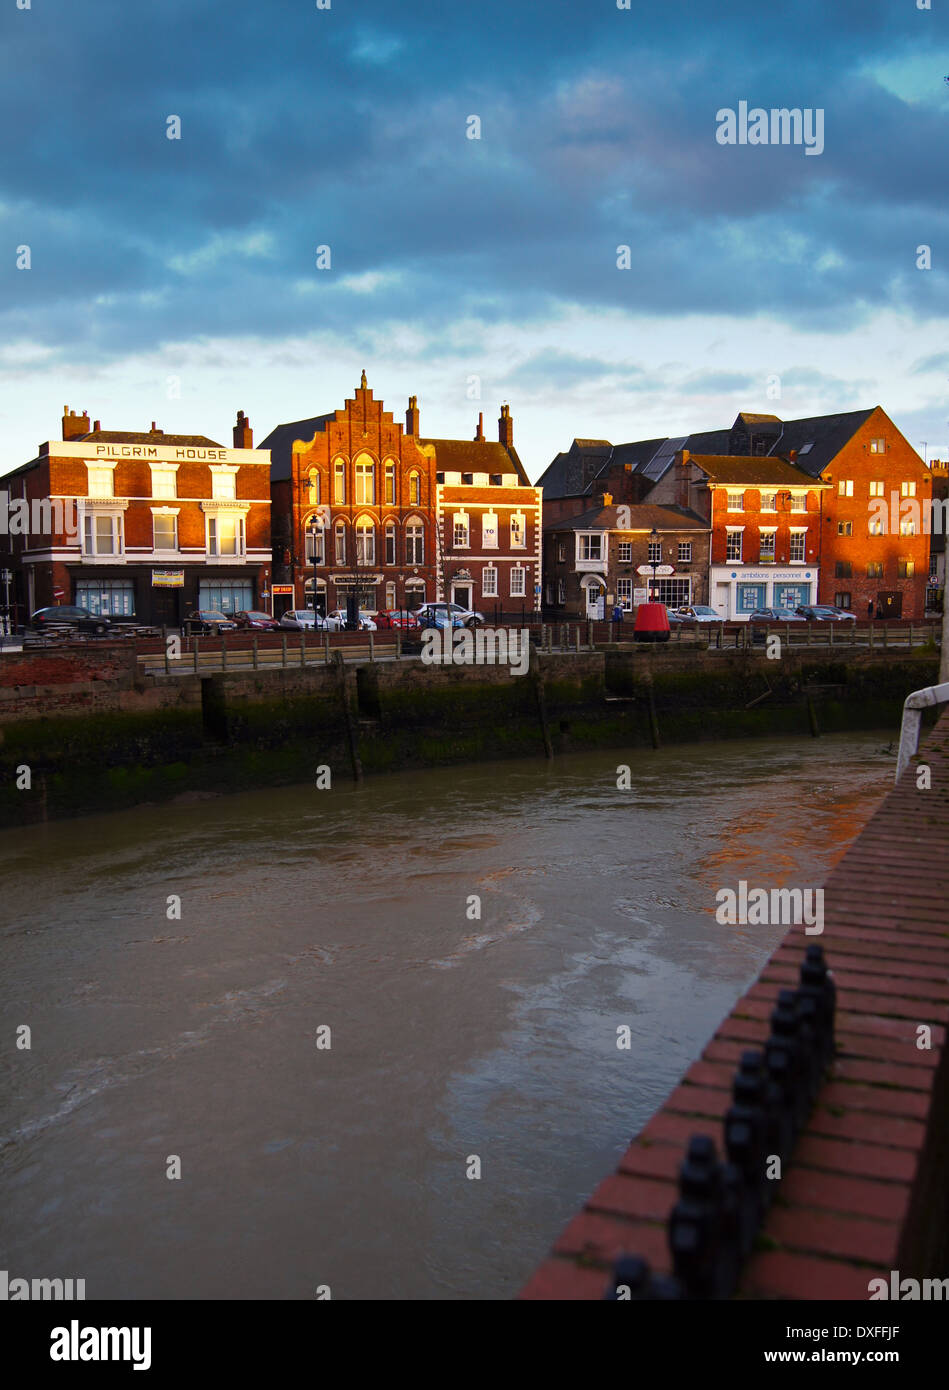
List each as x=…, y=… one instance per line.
x=653, y=544
x=314, y=529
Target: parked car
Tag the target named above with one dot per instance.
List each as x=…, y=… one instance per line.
x=402, y=618
x=774, y=615
x=436, y=615
x=825, y=613
x=207, y=622
x=762, y=618
x=305, y=620
x=65, y=615
x=340, y=617
x=673, y=615
x=253, y=618
x=698, y=613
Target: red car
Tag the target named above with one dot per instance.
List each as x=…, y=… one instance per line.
x=259, y=621
x=401, y=618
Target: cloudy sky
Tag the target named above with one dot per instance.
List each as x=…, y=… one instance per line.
x=177, y=280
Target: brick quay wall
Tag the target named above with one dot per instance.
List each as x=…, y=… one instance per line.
x=97, y=732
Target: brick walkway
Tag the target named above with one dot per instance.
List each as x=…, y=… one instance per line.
x=865, y=1191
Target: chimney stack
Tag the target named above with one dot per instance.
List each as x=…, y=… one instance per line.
x=506, y=427
x=606, y=499
x=96, y=426
x=74, y=426
x=411, y=416
x=243, y=434
x=479, y=437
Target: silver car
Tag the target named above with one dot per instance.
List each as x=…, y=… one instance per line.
x=305, y=620
x=436, y=615
x=698, y=613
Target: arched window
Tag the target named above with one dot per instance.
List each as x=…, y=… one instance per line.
x=415, y=489
x=365, y=541
x=390, y=544
x=414, y=543
x=389, y=497
x=365, y=481
x=314, y=544
x=339, y=482
x=314, y=488
x=340, y=543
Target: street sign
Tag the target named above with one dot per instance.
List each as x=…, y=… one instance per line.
x=660, y=571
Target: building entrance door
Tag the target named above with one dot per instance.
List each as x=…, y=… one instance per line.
x=890, y=605
x=166, y=606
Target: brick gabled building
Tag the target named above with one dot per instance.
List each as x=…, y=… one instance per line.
x=402, y=518
x=370, y=486
x=142, y=525
x=490, y=548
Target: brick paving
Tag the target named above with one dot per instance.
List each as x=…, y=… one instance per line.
x=865, y=1190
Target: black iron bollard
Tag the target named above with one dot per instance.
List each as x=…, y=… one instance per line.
x=746, y=1143
x=809, y=1037
x=785, y=1027
x=816, y=981
x=633, y=1282
x=703, y=1224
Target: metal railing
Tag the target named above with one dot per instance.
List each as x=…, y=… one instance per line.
x=913, y=707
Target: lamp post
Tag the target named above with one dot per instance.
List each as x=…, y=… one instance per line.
x=7, y=576
x=653, y=543
x=314, y=530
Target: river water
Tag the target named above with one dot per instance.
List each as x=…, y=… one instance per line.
x=452, y=1038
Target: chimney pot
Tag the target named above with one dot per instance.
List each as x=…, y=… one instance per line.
x=412, y=416
x=74, y=426
x=506, y=426
x=243, y=434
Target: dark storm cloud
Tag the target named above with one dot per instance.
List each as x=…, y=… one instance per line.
x=347, y=127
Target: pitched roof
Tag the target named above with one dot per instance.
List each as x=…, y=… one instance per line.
x=476, y=456
x=642, y=517
x=819, y=438
x=754, y=469
x=146, y=437
x=280, y=442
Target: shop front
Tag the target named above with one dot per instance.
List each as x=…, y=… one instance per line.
x=736, y=592
x=161, y=595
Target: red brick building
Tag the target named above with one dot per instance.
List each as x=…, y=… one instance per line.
x=765, y=518
x=490, y=525
x=370, y=487
x=870, y=487
x=401, y=518
x=141, y=525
